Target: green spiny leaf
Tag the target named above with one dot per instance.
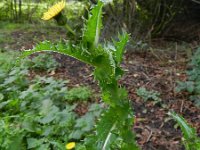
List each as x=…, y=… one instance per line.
x=115, y=124
x=93, y=26
x=63, y=48
x=120, y=46
x=105, y=65
x=104, y=129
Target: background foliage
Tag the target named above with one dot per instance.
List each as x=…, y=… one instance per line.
x=40, y=113
x=192, y=84
x=140, y=18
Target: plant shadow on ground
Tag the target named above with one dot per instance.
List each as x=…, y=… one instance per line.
x=154, y=129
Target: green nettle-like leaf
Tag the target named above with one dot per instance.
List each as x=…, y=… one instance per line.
x=191, y=140
x=93, y=27
x=16, y=142
x=33, y=143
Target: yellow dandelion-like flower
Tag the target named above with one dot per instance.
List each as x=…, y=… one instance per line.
x=70, y=145
x=54, y=10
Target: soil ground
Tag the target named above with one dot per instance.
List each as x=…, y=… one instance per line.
x=155, y=70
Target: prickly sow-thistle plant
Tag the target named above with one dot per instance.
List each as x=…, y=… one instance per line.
x=114, y=129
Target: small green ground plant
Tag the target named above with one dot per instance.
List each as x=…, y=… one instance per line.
x=44, y=62
x=79, y=93
x=192, y=85
x=114, y=129
x=148, y=95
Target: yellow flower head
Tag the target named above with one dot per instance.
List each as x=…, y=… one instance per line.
x=70, y=145
x=54, y=10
